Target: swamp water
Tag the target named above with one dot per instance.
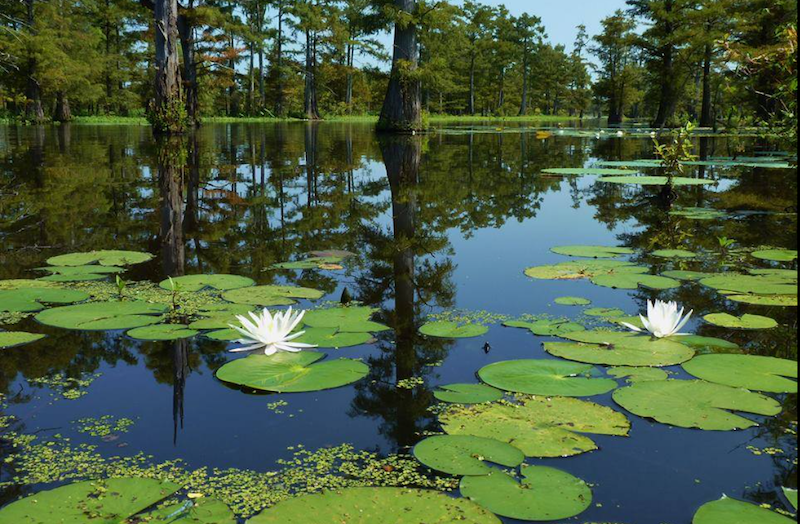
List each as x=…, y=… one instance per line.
x=441, y=229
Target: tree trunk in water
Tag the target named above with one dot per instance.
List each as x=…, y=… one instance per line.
x=169, y=115
x=706, y=116
x=310, y=96
x=170, y=181
x=186, y=34
x=62, y=112
x=402, y=107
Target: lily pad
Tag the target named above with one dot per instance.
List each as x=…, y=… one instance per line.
x=695, y=404
x=765, y=300
x=104, y=258
x=592, y=251
x=633, y=164
x=791, y=496
x=626, y=280
x=674, y=253
x=569, y=171
x=103, y=316
x=267, y=296
x=572, y=301
x=732, y=511
x=575, y=270
x=656, y=180
x=543, y=494
x=616, y=348
x=680, y=274
x=223, y=335
x=757, y=284
x=465, y=455
x=546, y=327
x=79, y=273
x=447, y=329
x=467, y=393
x=204, y=510
x=633, y=374
x=30, y=300
x=707, y=344
x=106, y=501
x=744, y=322
x=292, y=372
x=376, y=506
x=604, y=312
x=347, y=319
x=538, y=426
x=220, y=316
x=332, y=338
x=746, y=371
x=10, y=339
x=776, y=255
x=545, y=377
x=162, y=332
x=193, y=283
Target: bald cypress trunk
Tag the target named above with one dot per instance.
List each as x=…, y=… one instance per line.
x=168, y=113
x=402, y=107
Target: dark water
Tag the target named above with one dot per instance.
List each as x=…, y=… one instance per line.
x=442, y=222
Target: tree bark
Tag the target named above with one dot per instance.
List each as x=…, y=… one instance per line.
x=472, y=85
x=169, y=117
x=310, y=107
x=33, y=108
x=668, y=94
x=402, y=107
x=186, y=34
x=523, y=109
x=62, y=112
x=279, y=109
x=706, y=115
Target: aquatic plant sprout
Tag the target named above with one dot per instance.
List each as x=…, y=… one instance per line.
x=663, y=319
x=272, y=333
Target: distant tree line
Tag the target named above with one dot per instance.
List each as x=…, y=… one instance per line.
x=712, y=61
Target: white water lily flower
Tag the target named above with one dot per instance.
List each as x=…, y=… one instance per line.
x=271, y=332
x=663, y=319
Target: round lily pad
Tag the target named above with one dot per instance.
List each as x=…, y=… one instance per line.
x=680, y=274
x=104, y=258
x=746, y=371
x=765, y=300
x=10, y=339
x=292, y=372
x=347, y=319
x=707, y=344
x=592, y=251
x=538, y=426
x=656, y=180
x=79, y=273
x=674, y=253
x=376, y=506
x=616, y=348
x=630, y=280
x=162, y=332
x=223, y=335
x=30, y=300
x=545, y=377
x=199, y=282
x=695, y=404
x=103, y=316
x=757, y=284
x=776, y=255
x=465, y=455
x=579, y=269
x=732, y=511
x=467, y=393
x=569, y=171
x=220, y=316
x=544, y=494
x=112, y=500
x=572, y=301
x=604, y=312
x=546, y=327
x=332, y=338
x=267, y=296
x=633, y=374
x=744, y=322
x=447, y=329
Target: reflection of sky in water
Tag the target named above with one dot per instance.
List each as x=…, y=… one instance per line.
x=659, y=474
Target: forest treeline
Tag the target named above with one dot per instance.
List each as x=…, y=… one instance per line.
x=716, y=62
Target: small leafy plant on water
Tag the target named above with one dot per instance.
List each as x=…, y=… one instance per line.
x=678, y=151
x=121, y=285
x=175, y=288
x=725, y=244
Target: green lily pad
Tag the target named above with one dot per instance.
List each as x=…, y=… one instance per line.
x=757, y=284
x=791, y=496
x=79, y=273
x=579, y=269
x=220, y=316
x=546, y=327
x=680, y=274
x=104, y=258
x=568, y=171
x=162, y=332
x=633, y=374
x=765, y=300
x=604, y=312
x=625, y=280
x=347, y=319
x=592, y=251
x=776, y=255
x=376, y=506
x=23, y=283
x=292, y=372
x=616, y=348
x=707, y=344
x=192, y=283
x=465, y=455
x=204, y=510
x=744, y=322
x=699, y=213
x=732, y=511
x=633, y=164
x=572, y=301
x=10, y=339
x=656, y=180
x=545, y=377
x=446, y=329
x=268, y=296
x=538, y=426
x=30, y=300
x=332, y=338
x=746, y=371
x=103, y=501
x=103, y=316
x=674, y=253
x=223, y=335
x=695, y=404
x=321, y=262
x=467, y=394
x=543, y=494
